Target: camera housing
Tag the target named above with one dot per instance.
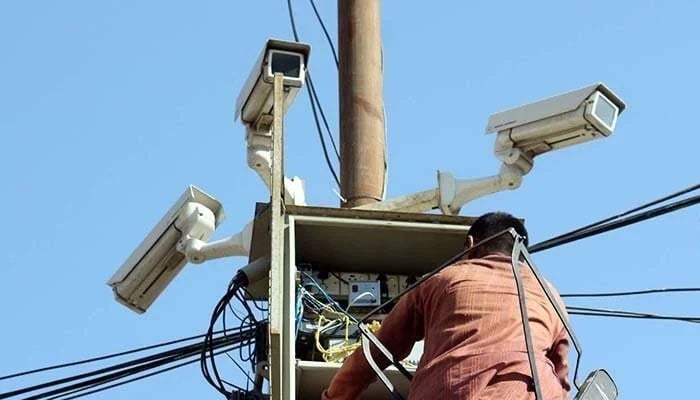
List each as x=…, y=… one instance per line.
x=156, y=261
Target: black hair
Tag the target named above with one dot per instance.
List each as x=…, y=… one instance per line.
x=490, y=224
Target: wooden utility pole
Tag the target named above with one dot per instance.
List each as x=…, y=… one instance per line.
x=362, y=145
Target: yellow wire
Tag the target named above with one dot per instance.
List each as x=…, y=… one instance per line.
x=339, y=352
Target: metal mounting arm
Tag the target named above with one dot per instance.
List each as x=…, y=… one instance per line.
x=454, y=193
x=198, y=251
x=260, y=160
x=451, y=194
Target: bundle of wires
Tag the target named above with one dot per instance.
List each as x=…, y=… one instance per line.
x=100, y=379
x=338, y=352
x=236, y=291
x=329, y=317
x=613, y=313
x=621, y=220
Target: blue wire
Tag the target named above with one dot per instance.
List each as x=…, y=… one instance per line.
x=323, y=292
x=299, y=311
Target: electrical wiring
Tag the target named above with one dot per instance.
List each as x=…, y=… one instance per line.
x=356, y=299
x=325, y=32
x=609, y=226
x=338, y=352
x=320, y=134
x=298, y=311
x=123, y=370
x=329, y=317
x=207, y=363
x=313, y=99
x=323, y=117
x=245, y=373
x=601, y=312
x=335, y=58
x=629, y=212
x=334, y=353
x=73, y=393
x=337, y=64
x=235, y=291
x=340, y=278
x=633, y=292
x=646, y=317
x=105, y=357
x=331, y=302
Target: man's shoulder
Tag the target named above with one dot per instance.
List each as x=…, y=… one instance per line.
x=462, y=266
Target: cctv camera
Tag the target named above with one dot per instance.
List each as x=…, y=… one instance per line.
x=523, y=133
x=254, y=105
x=560, y=121
x=157, y=260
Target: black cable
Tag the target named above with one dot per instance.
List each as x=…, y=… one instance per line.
x=223, y=322
x=593, y=314
x=226, y=350
x=208, y=365
x=632, y=292
x=601, y=312
x=127, y=364
x=100, y=358
x=311, y=99
x=247, y=375
x=626, y=213
x=292, y=21
x=207, y=351
x=655, y=212
x=123, y=369
x=320, y=136
x=255, y=302
x=325, y=32
x=323, y=117
x=340, y=278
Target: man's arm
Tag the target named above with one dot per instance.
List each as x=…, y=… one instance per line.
x=399, y=332
x=559, y=353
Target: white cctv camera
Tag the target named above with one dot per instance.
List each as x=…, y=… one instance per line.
x=255, y=107
x=255, y=102
x=523, y=133
x=559, y=121
x=530, y=130
x=157, y=260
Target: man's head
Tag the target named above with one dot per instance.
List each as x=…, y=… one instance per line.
x=490, y=224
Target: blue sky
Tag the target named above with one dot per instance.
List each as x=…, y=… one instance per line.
x=109, y=109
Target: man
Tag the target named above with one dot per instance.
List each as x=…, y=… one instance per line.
x=469, y=317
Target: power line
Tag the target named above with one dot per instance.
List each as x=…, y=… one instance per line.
x=633, y=219
x=323, y=118
x=325, y=32
x=320, y=136
x=224, y=351
x=105, y=357
x=601, y=312
x=632, y=292
x=128, y=368
x=313, y=98
x=626, y=213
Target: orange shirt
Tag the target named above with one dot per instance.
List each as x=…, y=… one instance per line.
x=474, y=346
